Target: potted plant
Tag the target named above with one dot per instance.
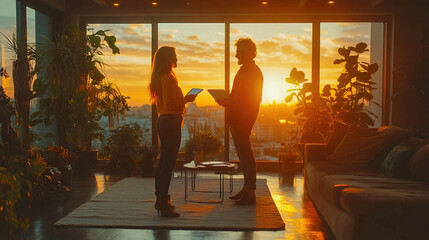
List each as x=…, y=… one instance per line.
x=202, y=145
x=353, y=92
x=193, y=151
x=123, y=146
x=22, y=72
x=145, y=161
x=314, y=117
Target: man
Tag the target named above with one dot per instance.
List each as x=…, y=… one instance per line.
x=242, y=109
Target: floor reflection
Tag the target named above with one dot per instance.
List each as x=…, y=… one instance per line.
x=287, y=190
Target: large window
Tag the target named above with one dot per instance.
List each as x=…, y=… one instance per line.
x=200, y=49
x=201, y=64
x=281, y=47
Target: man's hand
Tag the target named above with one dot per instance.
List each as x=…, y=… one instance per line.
x=224, y=102
x=190, y=98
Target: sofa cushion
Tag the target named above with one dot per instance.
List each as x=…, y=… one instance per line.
x=396, y=162
x=358, y=148
x=390, y=196
x=418, y=166
x=331, y=186
x=338, y=133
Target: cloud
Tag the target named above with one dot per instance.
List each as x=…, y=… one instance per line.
x=138, y=41
x=193, y=38
x=128, y=51
x=166, y=36
x=238, y=33
x=137, y=30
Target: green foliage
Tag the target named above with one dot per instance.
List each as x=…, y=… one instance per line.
x=73, y=89
x=123, y=147
x=22, y=71
x=20, y=180
x=205, y=141
x=57, y=156
x=354, y=89
x=314, y=118
x=191, y=145
x=345, y=103
x=10, y=194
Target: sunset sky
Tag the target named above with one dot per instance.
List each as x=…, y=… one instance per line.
x=200, y=49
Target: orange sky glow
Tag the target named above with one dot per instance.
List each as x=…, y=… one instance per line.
x=200, y=49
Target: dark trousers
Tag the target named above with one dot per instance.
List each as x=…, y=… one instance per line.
x=169, y=128
x=245, y=155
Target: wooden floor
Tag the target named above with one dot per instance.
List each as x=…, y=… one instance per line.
x=297, y=211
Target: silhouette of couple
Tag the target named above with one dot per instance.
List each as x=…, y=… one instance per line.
x=242, y=108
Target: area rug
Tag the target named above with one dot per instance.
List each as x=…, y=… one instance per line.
x=130, y=204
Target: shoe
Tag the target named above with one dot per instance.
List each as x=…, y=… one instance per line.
x=248, y=198
x=169, y=203
x=238, y=195
x=164, y=209
x=168, y=200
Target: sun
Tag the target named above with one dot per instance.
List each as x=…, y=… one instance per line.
x=274, y=89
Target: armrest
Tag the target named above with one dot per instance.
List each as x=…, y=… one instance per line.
x=316, y=152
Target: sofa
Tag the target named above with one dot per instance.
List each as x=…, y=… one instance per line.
x=358, y=197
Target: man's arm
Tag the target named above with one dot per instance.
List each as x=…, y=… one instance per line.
x=224, y=102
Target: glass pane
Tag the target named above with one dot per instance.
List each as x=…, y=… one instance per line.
x=7, y=27
x=39, y=31
x=130, y=71
x=200, y=49
x=280, y=47
x=31, y=25
x=338, y=35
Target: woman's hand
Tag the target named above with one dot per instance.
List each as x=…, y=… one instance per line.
x=190, y=98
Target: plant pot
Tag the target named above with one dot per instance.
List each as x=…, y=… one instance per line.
x=67, y=176
x=198, y=157
x=85, y=162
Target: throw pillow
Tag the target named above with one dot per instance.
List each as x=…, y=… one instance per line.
x=418, y=167
x=397, y=135
x=338, y=133
x=359, y=147
x=396, y=162
x=399, y=132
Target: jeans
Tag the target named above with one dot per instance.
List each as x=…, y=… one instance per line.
x=169, y=128
x=245, y=155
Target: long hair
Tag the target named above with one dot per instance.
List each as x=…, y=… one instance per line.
x=162, y=64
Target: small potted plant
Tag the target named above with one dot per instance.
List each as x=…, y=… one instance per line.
x=202, y=145
x=145, y=160
x=193, y=151
x=122, y=147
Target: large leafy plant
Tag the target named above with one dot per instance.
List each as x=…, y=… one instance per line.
x=348, y=100
x=22, y=72
x=73, y=89
x=313, y=116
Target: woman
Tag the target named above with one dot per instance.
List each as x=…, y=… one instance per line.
x=170, y=103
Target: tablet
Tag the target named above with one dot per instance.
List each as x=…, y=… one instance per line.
x=194, y=91
x=218, y=94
